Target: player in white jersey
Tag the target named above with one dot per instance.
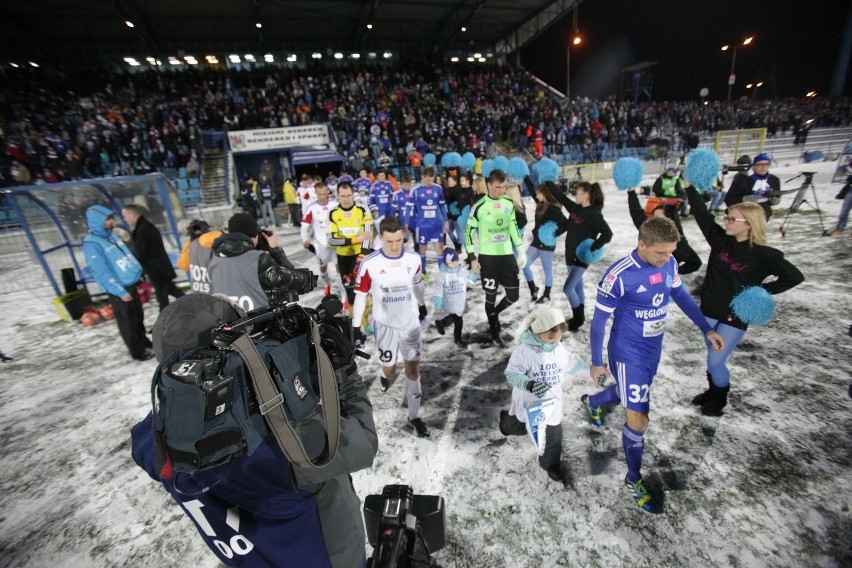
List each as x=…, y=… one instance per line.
x=392, y=277
x=315, y=225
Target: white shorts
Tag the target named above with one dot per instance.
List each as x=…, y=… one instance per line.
x=325, y=255
x=389, y=340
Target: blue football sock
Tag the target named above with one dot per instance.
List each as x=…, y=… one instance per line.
x=423, y=263
x=606, y=397
x=634, y=446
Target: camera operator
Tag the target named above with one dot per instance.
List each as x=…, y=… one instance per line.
x=240, y=258
x=756, y=185
x=264, y=510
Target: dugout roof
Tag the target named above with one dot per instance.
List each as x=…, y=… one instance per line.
x=83, y=33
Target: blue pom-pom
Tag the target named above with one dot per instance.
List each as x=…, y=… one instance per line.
x=518, y=168
x=451, y=160
x=547, y=170
x=702, y=168
x=501, y=163
x=454, y=208
x=487, y=167
x=429, y=159
x=628, y=173
x=753, y=305
x=547, y=234
x=468, y=160
x=585, y=253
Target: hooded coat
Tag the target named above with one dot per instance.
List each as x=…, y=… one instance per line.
x=112, y=264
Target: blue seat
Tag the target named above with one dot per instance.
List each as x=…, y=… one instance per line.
x=182, y=172
x=195, y=183
x=182, y=183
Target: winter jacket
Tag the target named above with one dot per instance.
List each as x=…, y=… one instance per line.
x=748, y=187
x=149, y=250
x=112, y=264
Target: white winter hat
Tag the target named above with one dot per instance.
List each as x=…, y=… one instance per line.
x=539, y=320
x=545, y=318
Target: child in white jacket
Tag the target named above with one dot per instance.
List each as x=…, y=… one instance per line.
x=536, y=370
x=449, y=295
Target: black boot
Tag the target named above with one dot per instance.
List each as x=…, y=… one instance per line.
x=533, y=290
x=457, y=332
x=494, y=327
x=718, y=401
x=578, y=319
x=705, y=396
x=545, y=297
x=441, y=323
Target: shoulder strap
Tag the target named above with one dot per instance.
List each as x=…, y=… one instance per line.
x=271, y=401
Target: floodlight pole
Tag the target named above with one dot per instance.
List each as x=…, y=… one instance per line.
x=731, y=77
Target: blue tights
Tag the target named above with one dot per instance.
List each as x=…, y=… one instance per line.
x=717, y=360
x=573, y=287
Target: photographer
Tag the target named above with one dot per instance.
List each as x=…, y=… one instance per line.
x=261, y=509
x=240, y=257
x=756, y=185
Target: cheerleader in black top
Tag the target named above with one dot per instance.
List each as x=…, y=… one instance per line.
x=585, y=221
x=739, y=257
x=549, y=224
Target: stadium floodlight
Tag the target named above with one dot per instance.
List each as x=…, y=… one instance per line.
x=174, y=61
x=33, y=64
x=129, y=24
x=338, y=55
x=249, y=57
x=369, y=26
x=150, y=60
x=234, y=58
x=316, y=55
x=464, y=29
x=269, y=58
x=733, y=47
x=371, y=55
x=809, y=94
x=258, y=25
x=470, y=59
x=477, y=55
x=387, y=55
x=454, y=59
x=356, y=56
x=291, y=58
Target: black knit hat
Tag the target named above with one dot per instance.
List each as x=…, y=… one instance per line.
x=243, y=223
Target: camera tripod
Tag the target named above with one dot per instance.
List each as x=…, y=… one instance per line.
x=801, y=199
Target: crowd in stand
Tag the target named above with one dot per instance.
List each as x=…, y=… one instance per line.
x=151, y=121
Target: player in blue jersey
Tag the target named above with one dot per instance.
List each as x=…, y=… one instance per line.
x=363, y=182
x=637, y=289
x=430, y=215
x=381, y=205
x=404, y=206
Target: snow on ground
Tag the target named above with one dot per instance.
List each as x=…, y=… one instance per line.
x=768, y=484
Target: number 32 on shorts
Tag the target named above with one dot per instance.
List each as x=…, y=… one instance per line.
x=638, y=393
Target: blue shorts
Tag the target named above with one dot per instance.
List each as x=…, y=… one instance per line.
x=634, y=384
x=426, y=235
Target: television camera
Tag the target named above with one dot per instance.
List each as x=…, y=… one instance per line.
x=404, y=528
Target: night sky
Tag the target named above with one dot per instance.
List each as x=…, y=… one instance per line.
x=795, y=48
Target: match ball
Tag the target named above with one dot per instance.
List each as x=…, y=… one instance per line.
x=89, y=319
x=106, y=313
